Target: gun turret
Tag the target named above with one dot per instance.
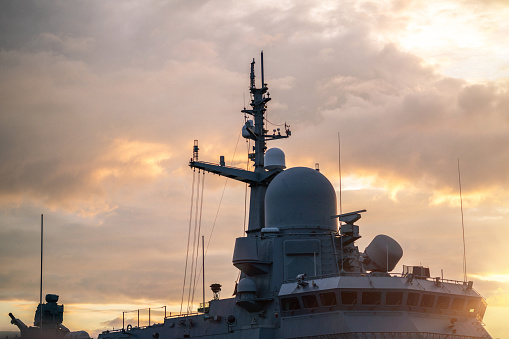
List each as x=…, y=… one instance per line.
x=17, y=322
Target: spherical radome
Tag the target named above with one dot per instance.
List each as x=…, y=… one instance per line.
x=300, y=197
x=274, y=159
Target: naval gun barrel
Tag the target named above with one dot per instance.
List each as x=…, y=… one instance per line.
x=17, y=322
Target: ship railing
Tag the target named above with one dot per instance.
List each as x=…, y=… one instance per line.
x=467, y=285
x=181, y=315
x=150, y=310
x=400, y=335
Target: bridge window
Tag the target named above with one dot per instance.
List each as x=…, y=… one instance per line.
x=427, y=300
x=458, y=304
x=290, y=304
x=348, y=297
x=371, y=298
x=443, y=302
x=412, y=299
x=328, y=299
x=394, y=298
x=309, y=301
x=482, y=309
x=472, y=305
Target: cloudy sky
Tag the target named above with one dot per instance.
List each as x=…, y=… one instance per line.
x=101, y=102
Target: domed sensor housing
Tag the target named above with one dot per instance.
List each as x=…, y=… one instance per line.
x=301, y=198
x=274, y=159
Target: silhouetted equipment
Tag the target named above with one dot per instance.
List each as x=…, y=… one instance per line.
x=216, y=288
x=52, y=316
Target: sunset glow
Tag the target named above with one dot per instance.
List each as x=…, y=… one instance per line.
x=101, y=102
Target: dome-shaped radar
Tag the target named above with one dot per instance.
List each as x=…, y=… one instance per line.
x=77, y=335
x=300, y=197
x=274, y=159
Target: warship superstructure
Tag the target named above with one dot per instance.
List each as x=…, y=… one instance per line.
x=301, y=274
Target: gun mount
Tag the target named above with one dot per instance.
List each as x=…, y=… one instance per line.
x=47, y=322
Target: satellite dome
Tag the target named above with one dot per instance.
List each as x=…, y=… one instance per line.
x=274, y=158
x=300, y=197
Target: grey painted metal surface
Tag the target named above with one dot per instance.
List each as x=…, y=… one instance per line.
x=302, y=277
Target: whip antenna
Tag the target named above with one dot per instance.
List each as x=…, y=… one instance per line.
x=339, y=169
x=340, y=202
x=40, y=294
x=462, y=227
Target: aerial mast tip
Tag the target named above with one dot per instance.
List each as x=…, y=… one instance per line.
x=263, y=77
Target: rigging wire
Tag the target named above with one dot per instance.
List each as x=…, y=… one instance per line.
x=198, y=241
x=188, y=238
x=283, y=124
x=222, y=195
x=192, y=271
x=248, y=144
x=196, y=277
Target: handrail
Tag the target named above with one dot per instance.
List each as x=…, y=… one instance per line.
x=402, y=335
x=390, y=275
x=138, y=311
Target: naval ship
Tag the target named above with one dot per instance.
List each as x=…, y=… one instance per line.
x=301, y=273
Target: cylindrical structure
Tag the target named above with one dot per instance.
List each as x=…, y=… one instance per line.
x=382, y=254
x=274, y=159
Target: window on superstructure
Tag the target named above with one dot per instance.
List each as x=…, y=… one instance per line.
x=348, y=297
x=472, y=305
x=393, y=298
x=412, y=299
x=328, y=299
x=371, y=298
x=443, y=302
x=482, y=309
x=309, y=301
x=458, y=304
x=290, y=304
x=427, y=300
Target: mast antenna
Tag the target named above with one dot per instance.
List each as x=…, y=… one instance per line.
x=462, y=228
x=252, y=75
x=340, y=201
x=339, y=169
x=40, y=291
x=263, y=77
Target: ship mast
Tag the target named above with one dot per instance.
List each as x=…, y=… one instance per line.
x=260, y=178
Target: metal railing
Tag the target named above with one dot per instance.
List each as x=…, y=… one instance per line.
x=150, y=323
x=392, y=335
x=138, y=317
